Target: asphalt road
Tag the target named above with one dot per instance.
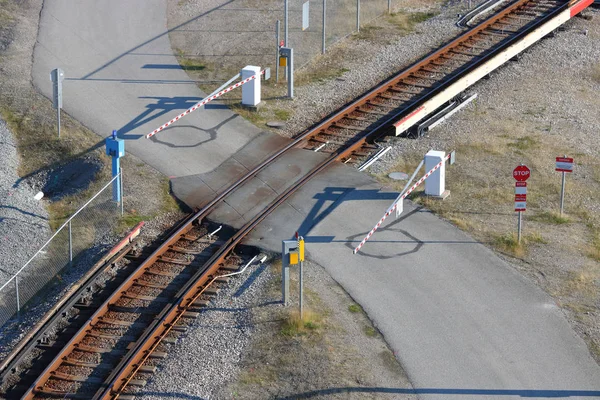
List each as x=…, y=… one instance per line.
x=462, y=321
x=120, y=73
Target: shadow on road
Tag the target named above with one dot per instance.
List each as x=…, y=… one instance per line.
x=163, y=106
x=212, y=132
x=555, y=394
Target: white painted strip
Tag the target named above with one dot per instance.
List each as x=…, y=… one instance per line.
x=462, y=84
x=521, y=190
x=564, y=166
x=457, y=109
x=377, y=156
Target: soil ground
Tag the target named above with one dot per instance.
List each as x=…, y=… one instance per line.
x=489, y=141
x=528, y=112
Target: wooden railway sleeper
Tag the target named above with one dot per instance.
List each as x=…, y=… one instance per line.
x=349, y=127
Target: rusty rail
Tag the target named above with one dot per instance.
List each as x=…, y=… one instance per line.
x=350, y=128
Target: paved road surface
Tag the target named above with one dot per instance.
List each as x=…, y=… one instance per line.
x=120, y=74
x=464, y=324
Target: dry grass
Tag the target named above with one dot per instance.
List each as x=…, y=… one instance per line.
x=406, y=22
x=550, y=217
x=583, y=283
x=593, y=250
x=595, y=73
x=327, y=72
x=309, y=324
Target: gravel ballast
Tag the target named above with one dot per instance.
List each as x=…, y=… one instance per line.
x=23, y=219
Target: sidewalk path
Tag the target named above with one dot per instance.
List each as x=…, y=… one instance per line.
x=464, y=323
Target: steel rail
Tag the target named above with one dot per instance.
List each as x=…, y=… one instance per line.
x=144, y=346
x=195, y=288
x=138, y=355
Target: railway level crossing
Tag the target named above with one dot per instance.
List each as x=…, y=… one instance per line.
x=435, y=186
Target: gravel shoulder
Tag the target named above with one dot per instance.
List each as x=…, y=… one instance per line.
x=568, y=120
x=34, y=159
x=529, y=111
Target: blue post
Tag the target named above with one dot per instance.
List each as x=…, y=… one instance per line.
x=116, y=149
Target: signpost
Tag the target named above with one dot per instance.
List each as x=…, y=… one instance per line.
x=57, y=76
x=521, y=174
x=563, y=164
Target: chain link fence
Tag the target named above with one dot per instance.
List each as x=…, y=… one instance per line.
x=329, y=22
x=59, y=257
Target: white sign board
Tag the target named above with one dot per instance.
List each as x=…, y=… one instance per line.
x=305, y=16
x=564, y=164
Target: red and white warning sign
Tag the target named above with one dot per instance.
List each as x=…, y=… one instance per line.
x=520, y=196
x=521, y=173
x=564, y=164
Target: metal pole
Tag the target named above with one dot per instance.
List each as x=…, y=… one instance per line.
x=519, y=229
x=290, y=70
x=277, y=29
x=122, y=194
x=58, y=120
x=285, y=28
x=562, y=194
x=324, y=25
x=389, y=6
x=70, y=244
x=357, y=15
x=17, y=289
x=301, y=290
x=285, y=275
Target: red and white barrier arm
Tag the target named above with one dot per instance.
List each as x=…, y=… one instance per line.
x=203, y=102
x=395, y=204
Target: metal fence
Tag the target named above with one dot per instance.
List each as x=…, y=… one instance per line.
x=60, y=255
x=329, y=22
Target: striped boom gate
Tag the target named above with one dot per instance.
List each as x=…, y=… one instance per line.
x=204, y=102
x=398, y=200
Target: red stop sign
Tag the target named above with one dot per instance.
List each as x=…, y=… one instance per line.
x=521, y=173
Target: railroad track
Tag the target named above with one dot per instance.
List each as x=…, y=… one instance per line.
x=117, y=347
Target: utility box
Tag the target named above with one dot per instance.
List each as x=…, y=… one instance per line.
x=251, y=90
x=115, y=147
x=435, y=184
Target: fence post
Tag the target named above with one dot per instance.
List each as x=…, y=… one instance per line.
x=17, y=289
x=70, y=245
x=277, y=29
x=357, y=15
x=122, y=194
x=389, y=6
x=324, y=25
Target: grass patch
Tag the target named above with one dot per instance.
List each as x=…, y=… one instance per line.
x=354, y=308
x=406, y=22
x=595, y=73
x=370, y=331
x=509, y=244
x=128, y=221
x=525, y=143
x=283, y=115
x=191, y=64
x=326, y=73
x=293, y=325
x=549, y=217
x=168, y=204
x=370, y=32
x=256, y=117
x=583, y=282
x=594, y=248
